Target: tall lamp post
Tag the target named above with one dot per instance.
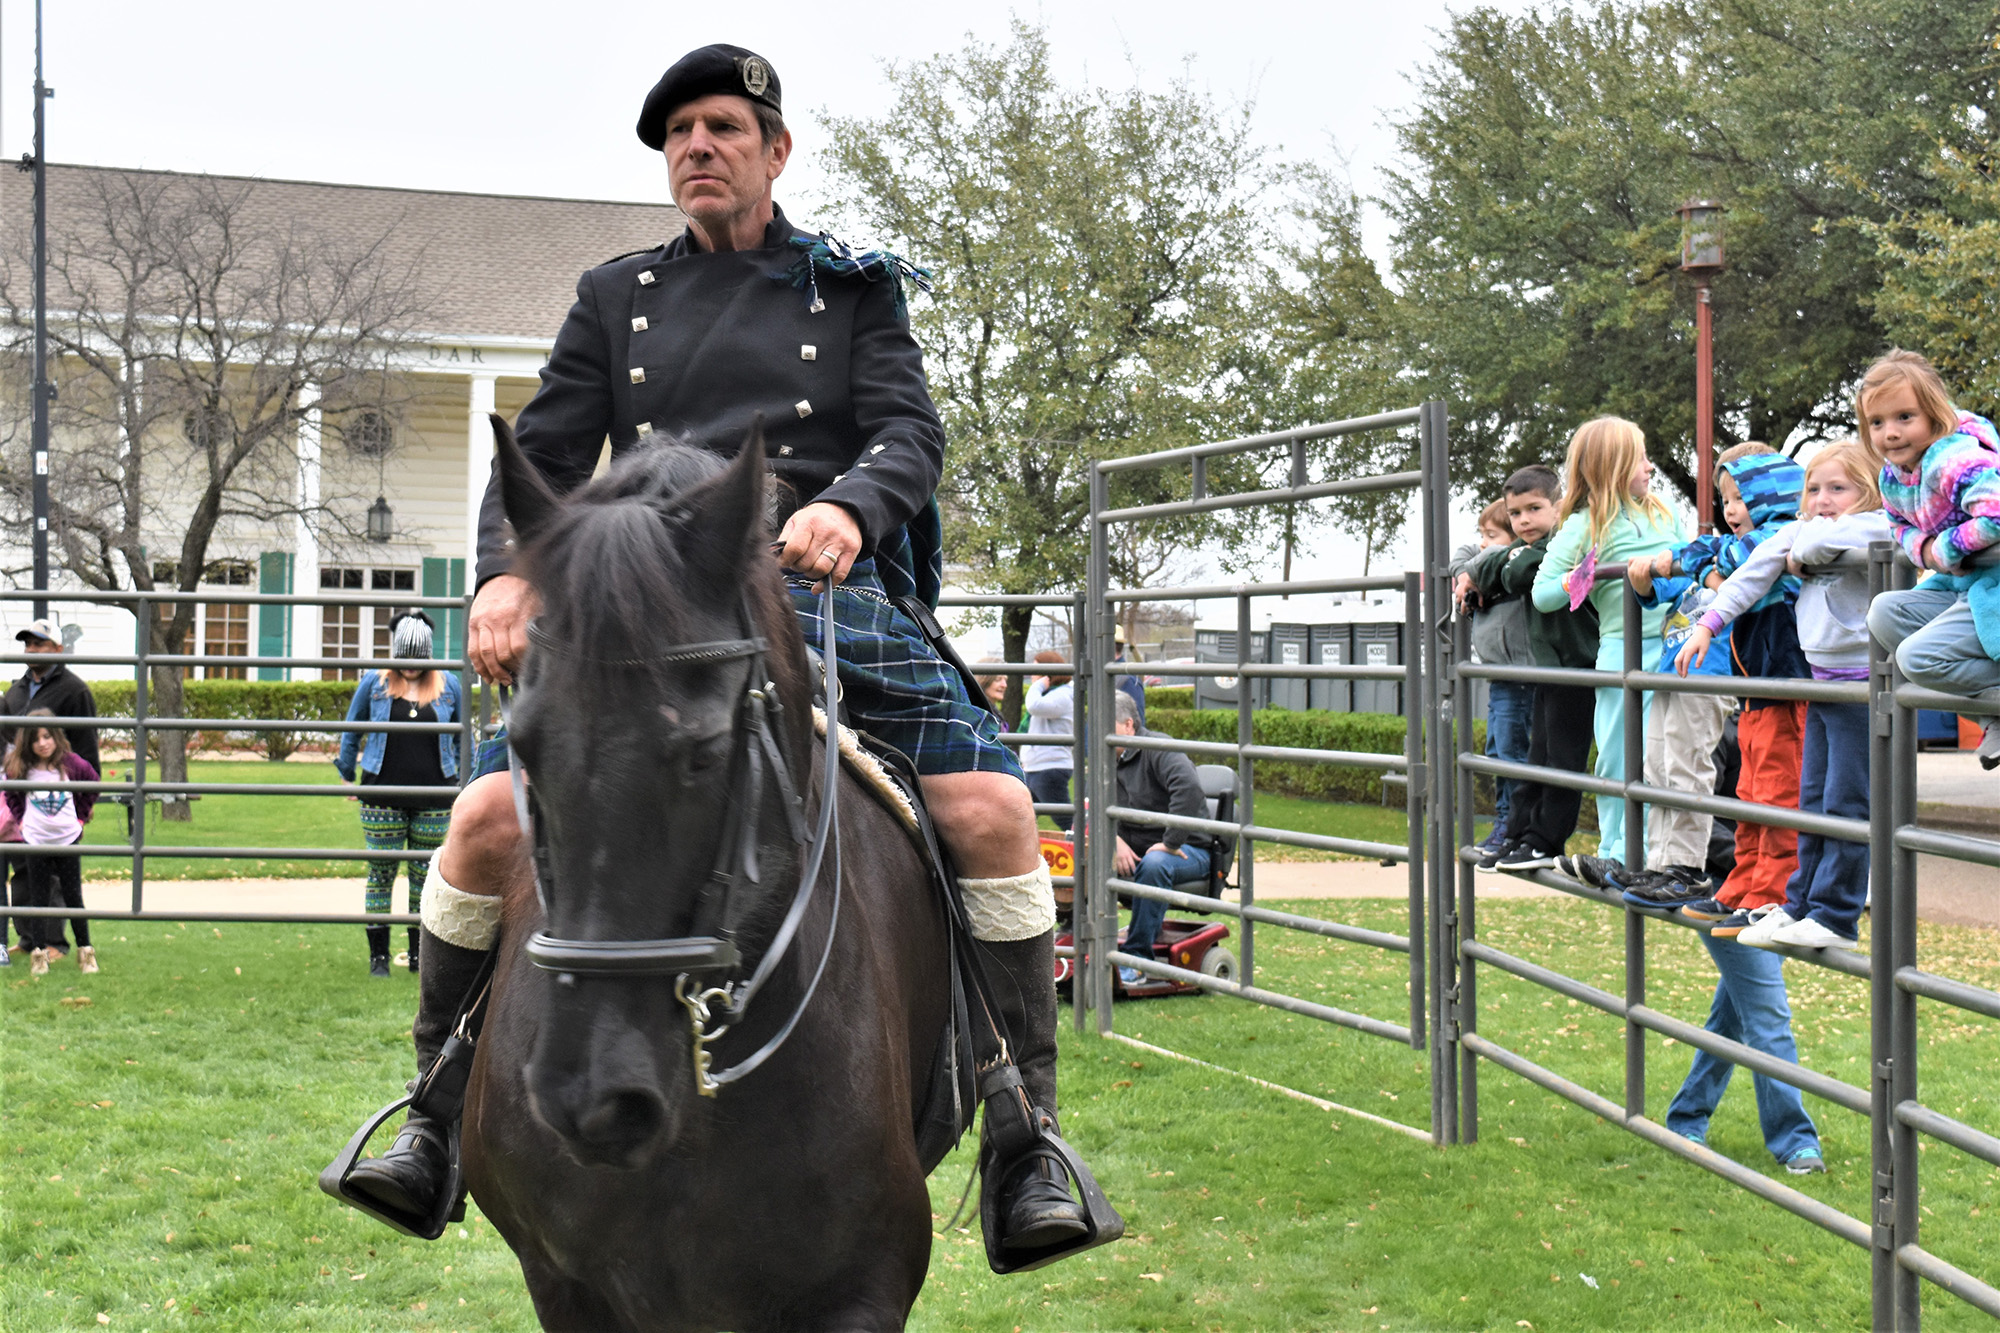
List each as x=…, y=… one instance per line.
x=1701, y=259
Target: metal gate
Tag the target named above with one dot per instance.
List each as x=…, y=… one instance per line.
x=1096, y=912
x=1889, y=1099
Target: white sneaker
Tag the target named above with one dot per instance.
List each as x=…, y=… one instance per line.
x=1989, y=747
x=1810, y=934
x=1759, y=933
x=86, y=959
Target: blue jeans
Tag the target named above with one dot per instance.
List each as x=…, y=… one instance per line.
x=1931, y=632
x=1509, y=711
x=1050, y=786
x=1161, y=870
x=1831, y=883
x=1750, y=1007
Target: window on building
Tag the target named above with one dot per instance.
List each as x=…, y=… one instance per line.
x=225, y=626
x=369, y=434
x=355, y=630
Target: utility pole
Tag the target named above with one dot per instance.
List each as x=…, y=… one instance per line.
x=42, y=391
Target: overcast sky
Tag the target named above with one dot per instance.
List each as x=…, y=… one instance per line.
x=518, y=98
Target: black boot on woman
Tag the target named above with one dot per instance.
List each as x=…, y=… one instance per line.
x=378, y=951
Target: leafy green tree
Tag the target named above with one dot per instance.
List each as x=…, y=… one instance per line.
x=1092, y=251
x=1536, y=239
x=1941, y=289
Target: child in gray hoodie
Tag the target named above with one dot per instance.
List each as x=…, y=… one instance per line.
x=1844, y=513
x=1499, y=637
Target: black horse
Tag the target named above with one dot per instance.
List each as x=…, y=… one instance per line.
x=634, y=1199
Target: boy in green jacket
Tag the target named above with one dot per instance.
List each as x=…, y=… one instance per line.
x=1543, y=816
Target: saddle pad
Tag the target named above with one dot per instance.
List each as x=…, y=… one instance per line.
x=869, y=770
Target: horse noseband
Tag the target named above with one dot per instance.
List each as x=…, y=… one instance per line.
x=712, y=1009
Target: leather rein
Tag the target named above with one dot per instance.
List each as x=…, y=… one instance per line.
x=713, y=1009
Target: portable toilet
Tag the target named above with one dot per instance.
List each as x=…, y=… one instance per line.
x=1331, y=645
x=1219, y=691
x=1378, y=644
x=1289, y=645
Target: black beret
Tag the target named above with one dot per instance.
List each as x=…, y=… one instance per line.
x=712, y=69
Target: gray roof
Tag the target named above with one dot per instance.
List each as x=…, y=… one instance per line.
x=493, y=264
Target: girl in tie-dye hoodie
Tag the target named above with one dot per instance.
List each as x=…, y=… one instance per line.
x=1941, y=486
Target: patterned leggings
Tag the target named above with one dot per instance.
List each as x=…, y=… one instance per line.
x=387, y=830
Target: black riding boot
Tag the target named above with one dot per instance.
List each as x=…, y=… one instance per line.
x=1035, y=1198
x=378, y=951
x=416, y=935
x=409, y=1175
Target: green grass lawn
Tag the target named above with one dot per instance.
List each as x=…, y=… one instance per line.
x=236, y=821
x=165, y=1120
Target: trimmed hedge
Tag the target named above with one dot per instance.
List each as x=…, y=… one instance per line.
x=1312, y=729
x=261, y=700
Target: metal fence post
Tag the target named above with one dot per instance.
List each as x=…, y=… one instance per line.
x=1440, y=732
x=1415, y=807
x=1882, y=982
x=1098, y=913
x=468, y=736
x=1246, y=794
x=1635, y=852
x=142, y=638
x=1080, y=766
x=1455, y=901
x=1900, y=915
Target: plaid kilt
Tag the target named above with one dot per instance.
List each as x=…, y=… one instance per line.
x=892, y=683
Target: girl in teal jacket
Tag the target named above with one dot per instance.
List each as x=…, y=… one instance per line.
x=1609, y=514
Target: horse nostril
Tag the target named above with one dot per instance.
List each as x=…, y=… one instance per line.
x=623, y=1120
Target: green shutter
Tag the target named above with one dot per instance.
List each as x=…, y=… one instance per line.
x=446, y=578
x=274, y=623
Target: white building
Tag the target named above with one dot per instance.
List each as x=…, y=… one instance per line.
x=501, y=272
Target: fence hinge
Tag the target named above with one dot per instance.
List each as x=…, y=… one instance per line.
x=1419, y=775
x=1885, y=715
x=1885, y=1070
x=1885, y=1236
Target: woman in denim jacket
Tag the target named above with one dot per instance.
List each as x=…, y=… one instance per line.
x=402, y=759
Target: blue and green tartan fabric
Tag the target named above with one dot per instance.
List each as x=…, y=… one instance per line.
x=893, y=684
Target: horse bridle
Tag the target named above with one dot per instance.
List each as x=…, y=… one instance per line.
x=712, y=1009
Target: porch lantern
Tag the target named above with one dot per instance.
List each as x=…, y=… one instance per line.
x=381, y=521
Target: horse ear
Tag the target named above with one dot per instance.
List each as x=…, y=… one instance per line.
x=732, y=526
x=524, y=496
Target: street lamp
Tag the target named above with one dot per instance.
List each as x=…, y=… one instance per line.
x=1701, y=259
x=381, y=521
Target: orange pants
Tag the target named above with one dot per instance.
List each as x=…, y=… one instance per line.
x=1769, y=739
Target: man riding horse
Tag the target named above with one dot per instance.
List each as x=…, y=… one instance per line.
x=745, y=316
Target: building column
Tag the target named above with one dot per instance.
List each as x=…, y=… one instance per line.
x=305, y=534
x=478, y=466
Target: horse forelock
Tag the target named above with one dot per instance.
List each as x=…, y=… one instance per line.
x=612, y=571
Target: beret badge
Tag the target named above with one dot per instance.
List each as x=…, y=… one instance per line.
x=756, y=75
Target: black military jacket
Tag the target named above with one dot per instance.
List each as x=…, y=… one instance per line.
x=691, y=345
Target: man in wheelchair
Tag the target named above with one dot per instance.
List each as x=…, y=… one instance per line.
x=1165, y=781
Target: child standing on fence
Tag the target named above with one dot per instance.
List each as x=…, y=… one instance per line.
x=1843, y=513
x=401, y=759
x=1500, y=637
x=1941, y=485
x=52, y=818
x=1609, y=513
x=1759, y=488
x=1760, y=493
x=1542, y=817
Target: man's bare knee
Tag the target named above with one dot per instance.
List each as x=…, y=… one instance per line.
x=987, y=820
x=485, y=837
